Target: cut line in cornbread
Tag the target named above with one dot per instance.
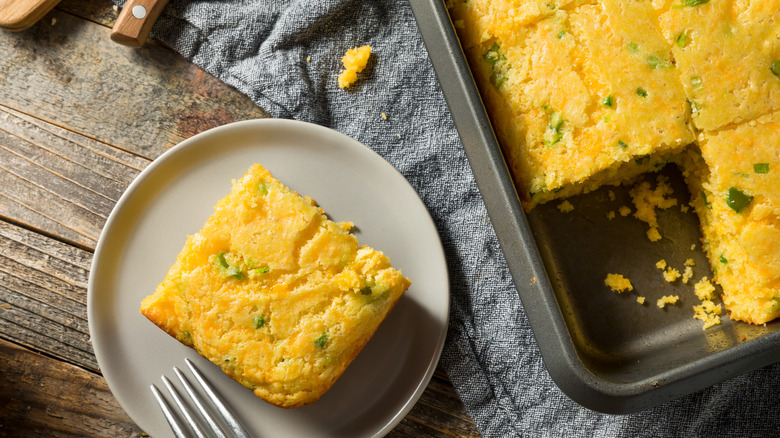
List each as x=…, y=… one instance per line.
x=277, y=295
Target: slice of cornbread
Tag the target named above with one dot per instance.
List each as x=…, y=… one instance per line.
x=735, y=187
x=575, y=102
x=725, y=52
x=276, y=294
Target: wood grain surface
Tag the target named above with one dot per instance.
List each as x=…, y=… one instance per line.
x=80, y=117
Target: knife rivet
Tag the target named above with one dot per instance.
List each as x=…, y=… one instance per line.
x=139, y=11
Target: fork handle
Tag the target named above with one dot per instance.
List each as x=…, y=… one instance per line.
x=135, y=21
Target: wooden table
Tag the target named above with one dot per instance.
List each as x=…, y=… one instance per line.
x=80, y=117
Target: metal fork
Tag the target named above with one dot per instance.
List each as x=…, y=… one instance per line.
x=234, y=428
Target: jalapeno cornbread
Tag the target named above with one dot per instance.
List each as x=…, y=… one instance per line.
x=276, y=294
x=592, y=92
x=572, y=98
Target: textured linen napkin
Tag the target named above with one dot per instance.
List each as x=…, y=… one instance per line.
x=286, y=55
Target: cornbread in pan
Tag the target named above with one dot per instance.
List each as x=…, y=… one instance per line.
x=735, y=185
x=276, y=294
x=574, y=102
x=594, y=92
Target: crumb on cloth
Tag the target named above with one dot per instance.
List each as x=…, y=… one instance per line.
x=355, y=60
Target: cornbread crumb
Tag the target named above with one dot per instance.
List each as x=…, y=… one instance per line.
x=640, y=300
x=671, y=274
x=704, y=289
x=709, y=312
x=684, y=208
x=646, y=200
x=690, y=262
x=355, y=60
x=624, y=210
x=661, y=264
x=618, y=283
x=687, y=274
x=384, y=116
x=654, y=235
x=611, y=215
x=565, y=206
x=667, y=299
x=308, y=59
x=611, y=195
x=693, y=247
x=53, y=21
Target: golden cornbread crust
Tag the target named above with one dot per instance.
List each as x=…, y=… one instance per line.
x=585, y=93
x=276, y=294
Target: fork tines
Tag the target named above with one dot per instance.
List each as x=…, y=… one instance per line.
x=206, y=414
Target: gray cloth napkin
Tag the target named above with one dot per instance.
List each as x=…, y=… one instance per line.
x=286, y=55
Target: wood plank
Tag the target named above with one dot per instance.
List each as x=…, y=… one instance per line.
x=55, y=185
x=100, y=157
x=43, y=397
x=43, y=295
x=50, y=195
x=57, y=181
x=97, y=11
x=95, y=165
x=140, y=100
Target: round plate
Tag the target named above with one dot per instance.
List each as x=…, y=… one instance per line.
x=175, y=195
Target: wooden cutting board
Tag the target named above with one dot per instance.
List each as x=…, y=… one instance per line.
x=16, y=15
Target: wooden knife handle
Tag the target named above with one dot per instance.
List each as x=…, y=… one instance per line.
x=135, y=21
x=20, y=15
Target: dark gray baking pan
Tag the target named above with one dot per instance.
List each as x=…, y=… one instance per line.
x=604, y=350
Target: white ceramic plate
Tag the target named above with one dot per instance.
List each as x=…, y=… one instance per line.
x=175, y=195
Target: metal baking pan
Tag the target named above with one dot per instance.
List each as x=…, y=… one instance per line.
x=604, y=350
